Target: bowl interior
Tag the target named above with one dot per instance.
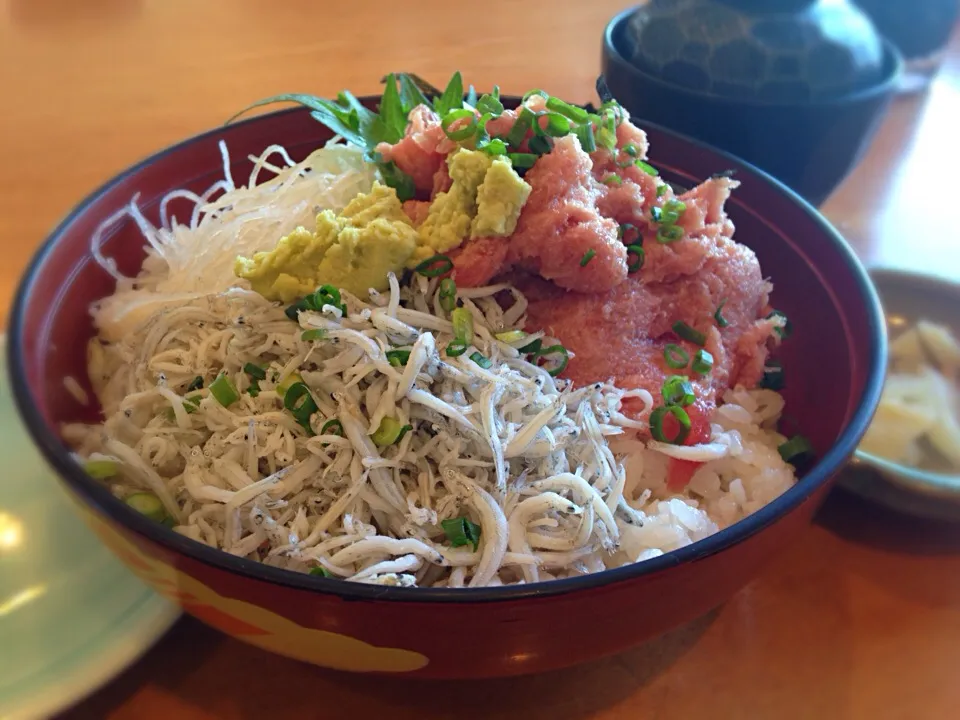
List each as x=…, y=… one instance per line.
x=819, y=284
x=907, y=298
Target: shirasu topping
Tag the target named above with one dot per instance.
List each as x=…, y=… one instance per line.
x=507, y=448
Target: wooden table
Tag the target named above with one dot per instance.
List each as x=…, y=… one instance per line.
x=860, y=619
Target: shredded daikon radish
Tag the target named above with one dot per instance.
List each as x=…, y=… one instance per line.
x=193, y=254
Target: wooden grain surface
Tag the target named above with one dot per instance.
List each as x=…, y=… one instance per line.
x=860, y=619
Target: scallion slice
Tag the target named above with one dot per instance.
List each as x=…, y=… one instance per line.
x=319, y=571
x=675, y=356
x=224, y=391
x=647, y=168
x=559, y=365
x=460, y=531
x=100, y=469
x=465, y=131
x=462, y=325
x=661, y=190
x=556, y=125
x=296, y=308
x=587, y=257
x=688, y=333
x=577, y=114
x=332, y=427
x=659, y=415
x=638, y=252
x=490, y=104
x=626, y=228
x=795, y=448
x=521, y=127
x=678, y=390
x=667, y=234
x=482, y=361
x=389, y=432
x=532, y=347
x=456, y=349
x=398, y=358
x=313, y=335
x=522, y=160
x=288, y=382
x=255, y=371
x=702, y=362
x=536, y=91
x=509, y=336
x=612, y=180
x=147, y=504
x=587, y=140
x=448, y=294
x=631, y=150
x=494, y=146
x=435, y=266
x=539, y=145
x=718, y=315
x=301, y=404
x=196, y=383
x=785, y=330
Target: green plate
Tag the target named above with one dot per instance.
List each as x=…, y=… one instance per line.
x=71, y=615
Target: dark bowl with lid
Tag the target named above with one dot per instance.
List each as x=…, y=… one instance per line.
x=444, y=632
x=729, y=83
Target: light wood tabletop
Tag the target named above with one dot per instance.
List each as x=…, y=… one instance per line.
x=859, y=619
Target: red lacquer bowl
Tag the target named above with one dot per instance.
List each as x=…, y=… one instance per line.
x=834, y=362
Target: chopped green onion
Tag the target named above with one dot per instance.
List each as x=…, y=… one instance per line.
x=631, y=150
x=661, y=190
x=389, y=432
x=794, y=448
x=773, y=377
x=667, y=234
x=461, y=133
x=254, y=371
x=398, y=358
x=482, y=361
x=785, y=330
x=587, y=257
x=148, y=505
x=100, y=469
x=448, y=294
x=521, y=127
x=456, y=349
x=624, y=228
x=656, y=424
x=319, y=571
x=312, y=335
x=294, y=310
x=196, y=383
x=435, y=266
x=462, y=325
x=191, y=403
x=539, y=145
x=612, y=180
x=577, y=114
x=332, y=427
x=301, y=404
x=718, y=315
x=638, y=252
x=677, y=390
x=490, y=104
x=533, y=92
x=325, y=295
x=689, y=333
x=670, y=213
x=494, y=146
x=224, y=391
x=587, y=140
x=288, y=382
x=168, y=522
x=702, y=362
x=675, y=356
x=522, y=160
x=556, y=126
x=555, y=350
x=532, y=347
x=647, y=168
x=460, y=531
x=254, y=389
x=509, y=336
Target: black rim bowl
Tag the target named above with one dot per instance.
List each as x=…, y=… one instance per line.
x=97, y=495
